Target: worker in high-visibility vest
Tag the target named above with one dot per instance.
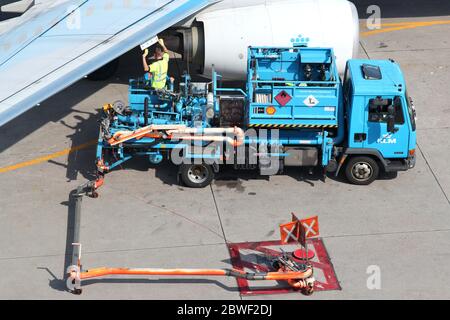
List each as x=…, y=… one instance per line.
x=157, y=71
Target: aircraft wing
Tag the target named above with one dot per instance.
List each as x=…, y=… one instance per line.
x=58, y=42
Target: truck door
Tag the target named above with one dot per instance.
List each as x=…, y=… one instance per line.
x=387, y=130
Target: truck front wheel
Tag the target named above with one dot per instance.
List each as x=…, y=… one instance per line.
x=362, y=170
x=196, y=175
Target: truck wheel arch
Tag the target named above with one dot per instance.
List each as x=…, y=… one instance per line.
x=354, y=152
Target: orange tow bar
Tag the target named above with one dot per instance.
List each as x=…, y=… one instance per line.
x=102, y=272
x=300, y=280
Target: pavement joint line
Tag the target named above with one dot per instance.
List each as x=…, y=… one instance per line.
x=433, y=128
x=222, y=227
x=364, y=49
x=218, y=213
x=85, y=252
x=385, y=233
x=220, y=243
x=173, y=213
x=433, y=173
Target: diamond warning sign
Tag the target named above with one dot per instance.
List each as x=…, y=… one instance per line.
x=283, y=98
x=311, y=101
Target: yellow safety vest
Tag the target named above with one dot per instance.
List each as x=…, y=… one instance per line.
x=159, y=71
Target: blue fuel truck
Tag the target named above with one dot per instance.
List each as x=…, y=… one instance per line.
x=294, y=112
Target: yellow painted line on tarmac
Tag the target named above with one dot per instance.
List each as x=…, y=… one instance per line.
x=397, y=26
x=47, y=157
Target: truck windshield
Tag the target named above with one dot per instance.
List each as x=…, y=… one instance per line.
x=411, y=111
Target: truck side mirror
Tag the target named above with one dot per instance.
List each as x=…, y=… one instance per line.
x=391, y=119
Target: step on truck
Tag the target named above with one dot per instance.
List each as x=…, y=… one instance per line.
x=294, y=112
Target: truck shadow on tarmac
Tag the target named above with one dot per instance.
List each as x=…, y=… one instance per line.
x=82, y=161
x=233, y=179
x=227, y=177
x=187, y=281
x=56, y=283
x=60, y=284
x=53, y=110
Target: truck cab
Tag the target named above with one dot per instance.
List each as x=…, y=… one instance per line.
x=380, y=119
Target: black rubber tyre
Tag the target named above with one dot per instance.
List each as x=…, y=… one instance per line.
x=196, y=175
x=105, y=72
x=276, y=266
x=78, y=292
x=308, y=291
x=362, y=171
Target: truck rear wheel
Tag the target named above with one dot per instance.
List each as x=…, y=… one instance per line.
x=362, y=170
x=196, y=175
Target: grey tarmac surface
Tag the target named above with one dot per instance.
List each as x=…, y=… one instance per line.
x=144, y=218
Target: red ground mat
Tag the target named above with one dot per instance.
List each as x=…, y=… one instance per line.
x=258, y=256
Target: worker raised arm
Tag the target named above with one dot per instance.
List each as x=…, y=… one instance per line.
x=164, y=54
x=163, y=46
x=144, y=61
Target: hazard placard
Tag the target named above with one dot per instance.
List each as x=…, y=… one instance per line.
x=311, y=101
